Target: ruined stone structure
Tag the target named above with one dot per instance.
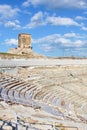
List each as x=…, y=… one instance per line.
x=24, y=41
x=24, y=47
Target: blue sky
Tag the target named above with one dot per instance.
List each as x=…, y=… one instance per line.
x=58, y=27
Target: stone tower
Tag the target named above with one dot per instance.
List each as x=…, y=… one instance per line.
x=24, y=41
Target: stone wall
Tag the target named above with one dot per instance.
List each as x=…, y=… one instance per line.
x=24, y=40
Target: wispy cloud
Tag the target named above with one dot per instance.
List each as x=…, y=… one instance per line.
x=84, y=28
x=70, y=35
x=36, y=20
x=11, y=41
x=13, y=24
x=54, y=20
x=80, y=18
x=56, y=41
x=47, y=48
x=57, y=3
x=40, y=19
x=6, y=11
x=8, y=16
x=74, y=35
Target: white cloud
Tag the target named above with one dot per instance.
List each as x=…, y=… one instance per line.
x=57, y=3
x=55, y=41
x=40, y=19
x=47, y=39
x=84, y=28
x=79, y=43
x=80, y=18
x=47, y=48
x=6, y=11
x=36, y=20
x=70, y=43
x=14, y=24
x=26, y=3
x=69, y=35
x=61, y=21
x=11, y=41
x=34, y=2
x=74, y=35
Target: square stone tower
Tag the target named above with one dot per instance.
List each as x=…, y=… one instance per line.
x=24, y=41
